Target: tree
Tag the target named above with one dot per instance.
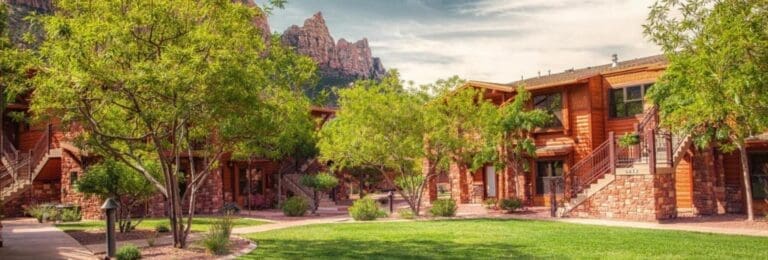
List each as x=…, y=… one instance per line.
x=715, y=86
x=112, y=179
x=379, y=126
x=463, y=129
x=516, y=123
x=321, y=182
x=152, y=82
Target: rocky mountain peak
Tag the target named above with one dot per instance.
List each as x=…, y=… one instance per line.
x=339, y=62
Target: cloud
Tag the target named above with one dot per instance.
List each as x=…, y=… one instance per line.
x=490, y=40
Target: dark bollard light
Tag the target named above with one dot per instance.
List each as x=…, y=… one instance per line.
x=110, y=206
x=391, y=196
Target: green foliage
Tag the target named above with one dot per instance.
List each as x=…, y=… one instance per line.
x=714, y=86
x=128, y=252
x=510, y=205
x=162, y=227
x=443, y=208
x=365, y=209
x=490, y=203
x=629, y=139
x=405, y=213
x=230, y=208
x=216, y=241
x=70, y=215
x=320, y=182
x=42, y=212
x=295, y=207
x=151, y=239
x=148, y=81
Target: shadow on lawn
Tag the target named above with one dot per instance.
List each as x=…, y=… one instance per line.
x=402, y=249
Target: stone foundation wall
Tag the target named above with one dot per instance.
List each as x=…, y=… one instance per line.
x=90, y=206
x=47, y=191
x=209, y=198
x=704, y=183
x=632, y=197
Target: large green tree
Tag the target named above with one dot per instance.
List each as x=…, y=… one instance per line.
x=153, y=82
x=379, y=126
x=715, y=87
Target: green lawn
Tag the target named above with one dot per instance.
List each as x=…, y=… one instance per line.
x=493, y=239
x=199, y=224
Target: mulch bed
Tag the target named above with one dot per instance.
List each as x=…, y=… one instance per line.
x=90, y=237
x=193, y=251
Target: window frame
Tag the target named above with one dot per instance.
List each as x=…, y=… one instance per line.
x=753, y=177
x=612, y=106
x=557, y=124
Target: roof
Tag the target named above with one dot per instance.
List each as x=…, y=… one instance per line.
x=576, y=75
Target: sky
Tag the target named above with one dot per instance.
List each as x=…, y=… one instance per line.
x=487, y=40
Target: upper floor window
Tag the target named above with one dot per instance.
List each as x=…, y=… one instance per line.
x=628, y=101
x=553, y=104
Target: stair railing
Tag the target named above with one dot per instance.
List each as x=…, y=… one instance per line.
x=593, y=167
x=41, y=148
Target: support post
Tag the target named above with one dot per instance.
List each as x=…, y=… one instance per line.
x=668, y=139
x=391, y=196
x=110, y=206
x=612, y=151
x=652, y=151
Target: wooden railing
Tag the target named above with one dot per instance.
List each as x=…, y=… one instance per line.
x=601, y=161
x=8, y=150
x=41, y=147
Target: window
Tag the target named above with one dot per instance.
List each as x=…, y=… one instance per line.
x=242, y=180
x=553, y=104
x=628, y=101
x=72, y=178
x=758, y=172
x=547, y=169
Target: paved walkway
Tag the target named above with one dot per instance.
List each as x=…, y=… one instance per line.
x=26, y=239
x=287, y=224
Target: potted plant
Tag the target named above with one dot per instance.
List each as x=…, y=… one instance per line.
x=629, y=139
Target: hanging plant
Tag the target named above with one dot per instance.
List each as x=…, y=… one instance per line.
x=629, y=139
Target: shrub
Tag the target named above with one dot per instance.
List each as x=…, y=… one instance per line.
x=151, y=238
x=490, y=203
x=443, y=208
x=510, y=205
x=162, y=228
x=70, y=215
x=405, y=213
x=230, y=208
x=128, y=252
x=629, y=139
x=366, y=209
x=217, y=239
x=42, y=212
x=295, y=207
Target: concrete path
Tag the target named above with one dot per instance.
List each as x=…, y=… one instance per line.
x=27, y=239
x=288, y=224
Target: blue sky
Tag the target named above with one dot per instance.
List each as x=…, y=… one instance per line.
x=489, y=40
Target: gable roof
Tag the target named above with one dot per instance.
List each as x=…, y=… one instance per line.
x=575, y=75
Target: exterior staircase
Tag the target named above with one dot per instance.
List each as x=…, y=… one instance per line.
x=656, y=150
x=20, y=169
x=292, y=182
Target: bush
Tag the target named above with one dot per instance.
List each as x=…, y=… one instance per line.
x=151, y=239
x=42, y=212
x=490, y=203
x=128, y=252
x=510, y=205
x=70, y=215
x=366, y=209
x=162, y=228
x=230, y=208
x=217, y=239
x=627, y=140
x=405, y=213
x=443, y=208
x=295, y=207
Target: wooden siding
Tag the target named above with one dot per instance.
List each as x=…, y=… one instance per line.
x=684, y=183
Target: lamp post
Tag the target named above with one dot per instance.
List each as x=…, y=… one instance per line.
x=110, y=206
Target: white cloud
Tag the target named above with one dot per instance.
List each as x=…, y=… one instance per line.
x=495, y=40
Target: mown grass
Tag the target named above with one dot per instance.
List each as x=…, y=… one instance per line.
x=494, y=239
x=199, y=224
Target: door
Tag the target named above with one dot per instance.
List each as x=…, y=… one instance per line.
x=490, y=182
x=545, y=168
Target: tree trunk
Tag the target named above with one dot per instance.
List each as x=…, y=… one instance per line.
x=747, y=184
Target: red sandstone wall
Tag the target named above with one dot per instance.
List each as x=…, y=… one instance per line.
x=632, y=197
x=90, y=206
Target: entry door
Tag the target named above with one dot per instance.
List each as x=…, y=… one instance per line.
x=490, y=181
x=545, y=168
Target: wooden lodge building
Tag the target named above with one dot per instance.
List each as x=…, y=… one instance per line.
x=592, y=107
